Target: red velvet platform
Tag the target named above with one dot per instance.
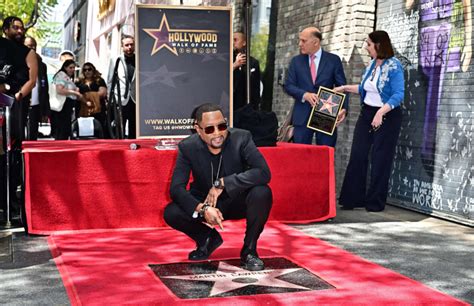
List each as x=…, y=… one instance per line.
x=102, y=184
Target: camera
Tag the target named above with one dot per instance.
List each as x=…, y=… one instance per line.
x=5, y=73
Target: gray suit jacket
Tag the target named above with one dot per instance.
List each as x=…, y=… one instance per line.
x=123, y=80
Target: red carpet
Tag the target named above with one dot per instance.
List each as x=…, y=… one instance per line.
x=102, y=184
x=111, y=268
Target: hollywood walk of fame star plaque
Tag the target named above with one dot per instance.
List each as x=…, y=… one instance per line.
x=196, y=280
x=323, y=117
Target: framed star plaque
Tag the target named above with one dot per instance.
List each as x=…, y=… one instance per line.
x=324, y=114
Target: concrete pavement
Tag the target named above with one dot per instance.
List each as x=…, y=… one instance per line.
x=435, y=252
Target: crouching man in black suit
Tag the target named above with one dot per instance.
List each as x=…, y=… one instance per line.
x=230, y=178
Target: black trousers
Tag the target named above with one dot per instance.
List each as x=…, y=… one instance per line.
x=383, y=143
x=34, y=118
x=18, y=118
x=128, y=114
x=62, y=120
x=254, y=205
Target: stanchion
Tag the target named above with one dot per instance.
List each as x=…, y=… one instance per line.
x=7, y=102
x=7, y=164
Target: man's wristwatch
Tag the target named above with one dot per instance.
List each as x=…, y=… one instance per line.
x=218, y=184
x=203, y=210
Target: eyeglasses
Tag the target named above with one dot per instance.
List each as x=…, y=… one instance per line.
x=17, y=27
x=211, y=129
x=86, y=69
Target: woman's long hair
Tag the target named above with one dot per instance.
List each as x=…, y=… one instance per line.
x=63, y=67
x=96, y=75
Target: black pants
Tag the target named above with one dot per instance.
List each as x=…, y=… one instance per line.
x=383, y=143
x=34, y=118
x=128, y=114
x=62, y=120
x=254, y=205
x=18, y=117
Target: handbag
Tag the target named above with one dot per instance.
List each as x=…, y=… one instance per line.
x=286, y=130
x=56, y=101
x=94, y=98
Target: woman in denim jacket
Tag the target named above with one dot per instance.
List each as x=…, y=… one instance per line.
x=382, y=91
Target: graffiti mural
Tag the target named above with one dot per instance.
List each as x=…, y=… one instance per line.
x=433, y=168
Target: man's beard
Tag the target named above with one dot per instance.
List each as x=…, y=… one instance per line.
x=18, y=38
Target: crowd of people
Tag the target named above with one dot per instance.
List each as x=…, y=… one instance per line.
x=237, y=186
x=72, y=94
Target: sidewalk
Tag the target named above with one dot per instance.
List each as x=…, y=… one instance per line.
x=435, y=252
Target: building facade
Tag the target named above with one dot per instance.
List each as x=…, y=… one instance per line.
x=433, y=169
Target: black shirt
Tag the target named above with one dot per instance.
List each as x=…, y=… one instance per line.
x=83, y=87
x=130, y=61
x=6, y=53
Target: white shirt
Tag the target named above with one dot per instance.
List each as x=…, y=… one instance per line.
x=35, y=94
x=372, y=96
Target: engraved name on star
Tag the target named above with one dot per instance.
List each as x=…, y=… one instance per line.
x=229, y=277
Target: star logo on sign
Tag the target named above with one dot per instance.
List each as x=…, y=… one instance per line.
x=161, y=37
x=328, y=105
x=229, y=277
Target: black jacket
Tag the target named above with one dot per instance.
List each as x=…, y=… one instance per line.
x=243, y=167
x=43, y=94
x=240, y=91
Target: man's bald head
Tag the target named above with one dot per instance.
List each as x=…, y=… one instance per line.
x=310, y=40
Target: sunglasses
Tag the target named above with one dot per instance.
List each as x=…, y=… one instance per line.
x=211, y=129
x=87, y=69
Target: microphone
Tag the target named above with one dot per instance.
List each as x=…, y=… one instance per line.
x=134, y=146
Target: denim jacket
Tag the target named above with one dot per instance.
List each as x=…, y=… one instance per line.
x=390, y=84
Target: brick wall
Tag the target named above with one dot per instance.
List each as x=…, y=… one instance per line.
x=438, y=179
x=433, y=169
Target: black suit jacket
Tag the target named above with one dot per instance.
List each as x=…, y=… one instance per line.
x=243, y=167
x=43, y=94
x=240, y=85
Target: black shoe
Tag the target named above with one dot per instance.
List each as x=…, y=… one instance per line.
x=347, y=208
x=204, y=251
x=378, y=209
x=252, y=262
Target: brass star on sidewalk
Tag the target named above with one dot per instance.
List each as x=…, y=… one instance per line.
x=229, y=277
x=161, y=37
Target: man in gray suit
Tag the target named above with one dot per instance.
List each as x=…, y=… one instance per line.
x=126, y=80
x=230, y=178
